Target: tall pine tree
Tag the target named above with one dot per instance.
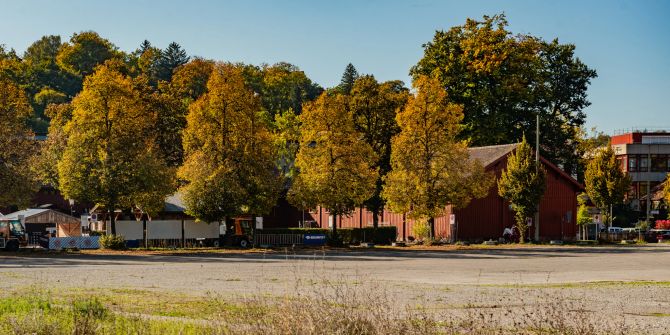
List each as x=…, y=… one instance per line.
x=348, y=79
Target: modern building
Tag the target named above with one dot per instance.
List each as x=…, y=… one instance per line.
x=485, y=218
x=645, y=156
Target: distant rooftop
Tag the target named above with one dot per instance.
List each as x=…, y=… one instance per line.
x=642, y=130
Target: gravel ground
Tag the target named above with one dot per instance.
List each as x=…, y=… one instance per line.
x=610, y=283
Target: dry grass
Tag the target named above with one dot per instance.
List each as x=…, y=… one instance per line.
x=344, y=306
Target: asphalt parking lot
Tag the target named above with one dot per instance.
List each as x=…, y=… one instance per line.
x=449, y=267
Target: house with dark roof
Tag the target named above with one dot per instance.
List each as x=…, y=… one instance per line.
x=485, y=218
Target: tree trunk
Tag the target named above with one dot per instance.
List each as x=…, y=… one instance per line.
x=522, y=233
x=431, y=224
x=375, y=218
x=144, y=230
x=112, y=219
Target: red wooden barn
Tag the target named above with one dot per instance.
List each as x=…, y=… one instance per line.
x=485, y=218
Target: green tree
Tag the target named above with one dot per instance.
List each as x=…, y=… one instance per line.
x=170, y=59
x=147, y=58
x=335, y=166
x=287, y=139
x=583, y=217
x=430, y=167
x=522, y=184
x=16, y=182
x=284, y=86
x=110, y=158
x=348, y=78
x=374, y=107
x=606, y=183
x=47, y=83
x=503, y=81
x=84, y=52
x=230, y=156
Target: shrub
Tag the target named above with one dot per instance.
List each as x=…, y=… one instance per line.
x=96, y=233
x=421, y=230
x=113, y=242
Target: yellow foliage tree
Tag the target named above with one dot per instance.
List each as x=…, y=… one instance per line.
x=334, y=163
x=430, y=167
x=230, y=157
x=110, y=157
x=16, y=181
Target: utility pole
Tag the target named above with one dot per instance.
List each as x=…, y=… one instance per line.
x=648, y=181
x=537, y=171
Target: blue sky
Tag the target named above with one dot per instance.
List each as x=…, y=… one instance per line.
x=627, y=42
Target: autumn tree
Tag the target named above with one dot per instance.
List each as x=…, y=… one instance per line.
x=229, y=165
x=374, y=106
x=110, y=157
x=522, y=183
x=16, y=181
x=503, y=81
x=430, y=167
x=189, y=81
x=51, y=150
x=335, y=167
x=583, y=217
x=606, y=183
x=348, y=78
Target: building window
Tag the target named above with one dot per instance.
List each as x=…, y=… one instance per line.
x=632, y=163
x=658, y=163
x=644, y=189
x=644, y=164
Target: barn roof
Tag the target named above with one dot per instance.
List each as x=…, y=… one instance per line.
x=493, y=153
x=174, y=204
x=489, y=154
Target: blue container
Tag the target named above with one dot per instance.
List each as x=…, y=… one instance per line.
x=314, y=239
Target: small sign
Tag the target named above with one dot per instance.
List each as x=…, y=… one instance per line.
x=314, y=239
x=259, y=222
x=452, y=219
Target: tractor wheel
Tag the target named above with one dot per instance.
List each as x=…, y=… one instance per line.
x=244, y=243
x=12, y=246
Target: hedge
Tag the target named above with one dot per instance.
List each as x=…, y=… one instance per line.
x=383, y=235
x=299, y=231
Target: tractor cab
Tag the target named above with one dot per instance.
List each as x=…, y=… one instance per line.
x=237, y=232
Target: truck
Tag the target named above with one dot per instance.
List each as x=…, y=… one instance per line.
x=237, y=232
x=12, y=235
